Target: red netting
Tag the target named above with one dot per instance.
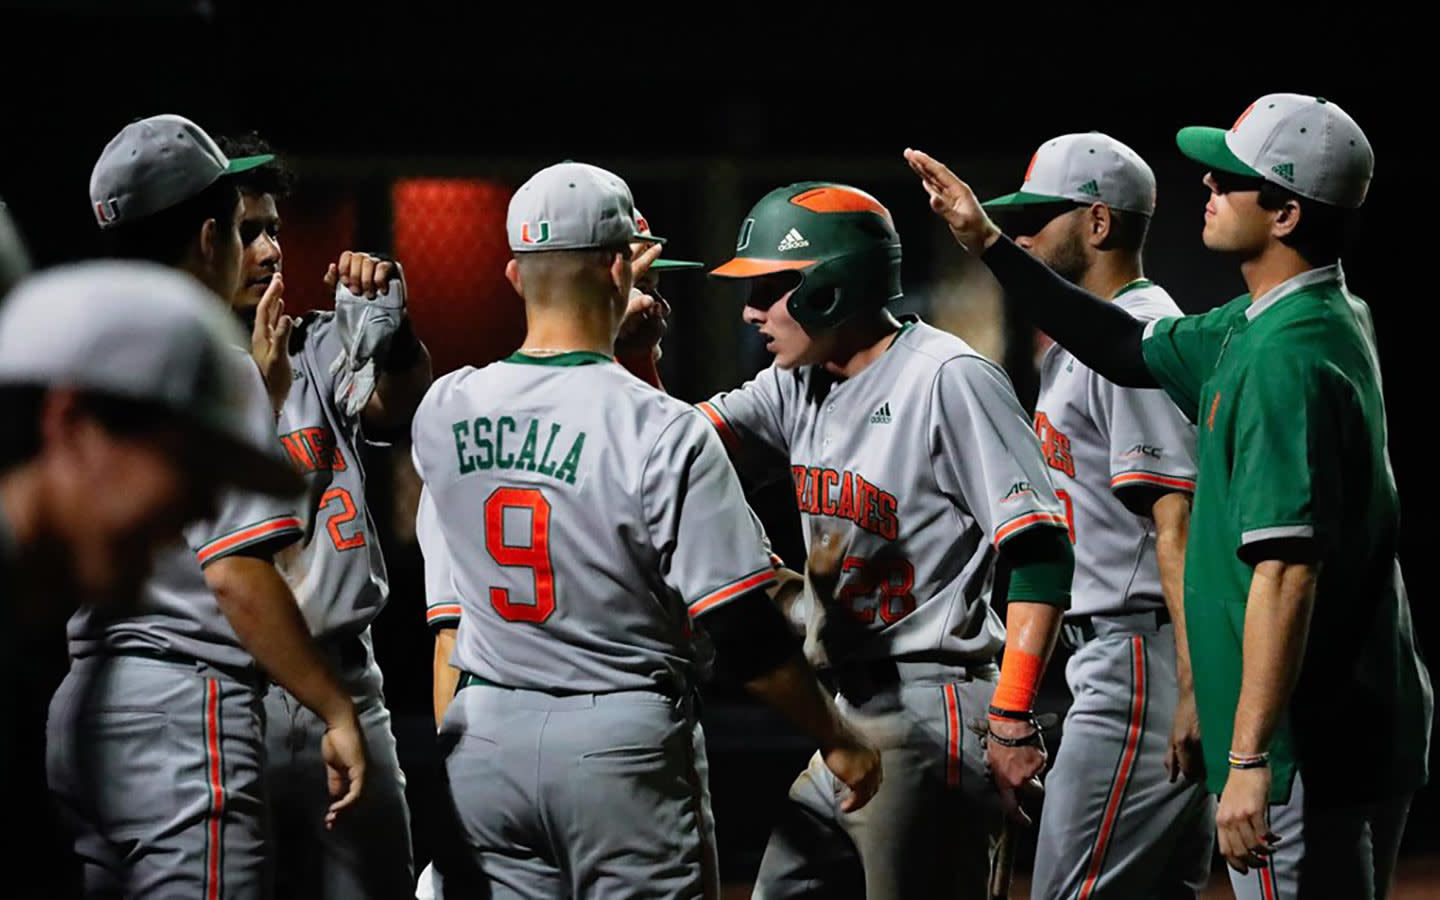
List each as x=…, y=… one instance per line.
x=450, y=234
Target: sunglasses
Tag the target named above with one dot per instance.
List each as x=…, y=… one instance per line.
x=1229, y=182
x=1030, y=219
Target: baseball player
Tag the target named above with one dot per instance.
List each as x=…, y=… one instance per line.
x=588, y=521
x=914, y=468
x=124, y=419
x=155, y=744
x=1284, y=385
x=357, y=373
x=1114, y=823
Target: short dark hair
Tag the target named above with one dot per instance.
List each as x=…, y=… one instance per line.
x=1127, y=231
x=1324, y=230
x=20, y=406
x=273, y=178
x=165, y=236
x=20, y=411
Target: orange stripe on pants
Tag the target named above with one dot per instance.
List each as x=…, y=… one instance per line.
x=1127, y=765
x=217, y=789
x=952, y=743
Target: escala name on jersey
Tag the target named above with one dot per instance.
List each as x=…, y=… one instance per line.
x=826, y=492
x=482, y=444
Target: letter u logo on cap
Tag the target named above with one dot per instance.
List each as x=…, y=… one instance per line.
x=538, y=234
x=107, y=211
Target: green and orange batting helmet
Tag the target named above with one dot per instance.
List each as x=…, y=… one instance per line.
x=840, y=240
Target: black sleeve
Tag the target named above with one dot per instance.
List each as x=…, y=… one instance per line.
x=1101, y=335
x=751, y=636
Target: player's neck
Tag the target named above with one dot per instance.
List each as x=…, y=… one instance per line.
x=1272, y=267
x=861, y=343
x=566, y=327
x=1109, y=274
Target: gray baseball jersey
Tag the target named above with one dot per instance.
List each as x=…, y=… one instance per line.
x=177, y=612
x=337, y=571
x=1099, y=441
x=584, y=514
x=925, y=464
x=442, y=601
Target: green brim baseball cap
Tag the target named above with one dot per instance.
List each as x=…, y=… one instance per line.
x=246, y=163
x=675, y=264
x=1021, y=198
x=1206, y=145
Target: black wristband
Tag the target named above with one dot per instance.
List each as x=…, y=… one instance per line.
x=404, y=349
x=1032, y=739
x=1013, y=715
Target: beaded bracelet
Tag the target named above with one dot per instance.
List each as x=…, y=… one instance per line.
x=1032, y=739
x=1248, y=760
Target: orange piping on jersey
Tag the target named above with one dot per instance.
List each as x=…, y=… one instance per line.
x=1184, y=484
x=1017, y=525
x=728, y=437
x=442, y=612
x=265, y=529
x=952, y=737
x=715, y=598
x=1126, y=766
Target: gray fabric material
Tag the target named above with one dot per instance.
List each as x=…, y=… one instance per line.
x=368, y=853
x=157, y=766
x=1110, y=766
x=588, y=795
x=926, y=833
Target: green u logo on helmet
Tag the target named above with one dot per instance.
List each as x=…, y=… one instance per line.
x=840, y=240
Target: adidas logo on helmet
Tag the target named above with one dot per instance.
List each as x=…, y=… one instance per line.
x=793, y=240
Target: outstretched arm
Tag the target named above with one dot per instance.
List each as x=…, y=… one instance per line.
x=1100, y=334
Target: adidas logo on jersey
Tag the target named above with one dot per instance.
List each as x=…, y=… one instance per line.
x=793, y=240
x=881, y=415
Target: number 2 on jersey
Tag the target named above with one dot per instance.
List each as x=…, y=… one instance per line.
x=534, y=555
x=344, y=516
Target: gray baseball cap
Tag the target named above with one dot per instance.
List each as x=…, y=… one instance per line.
x=1085, y=168
x=1302, y=143
x=573, y=206
x=154, y=164
x=150, y=334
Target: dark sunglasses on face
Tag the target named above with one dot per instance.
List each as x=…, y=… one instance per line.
x=1030, y=219
x=1229, y=182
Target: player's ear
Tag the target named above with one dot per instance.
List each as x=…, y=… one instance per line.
x=621, y=274
x=208, y=236
x=512, y=275
x=1097, y=224
x=1287, y=219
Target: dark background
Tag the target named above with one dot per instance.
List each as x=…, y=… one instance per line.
x=703, y=110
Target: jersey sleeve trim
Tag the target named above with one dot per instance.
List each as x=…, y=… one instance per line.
x=1150, y=328
x=1278, y=532
x=443, y=616
x=1025, y=522
x=270, y=529
x=727, y=434
x=1152, y=479
x=732, y=590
